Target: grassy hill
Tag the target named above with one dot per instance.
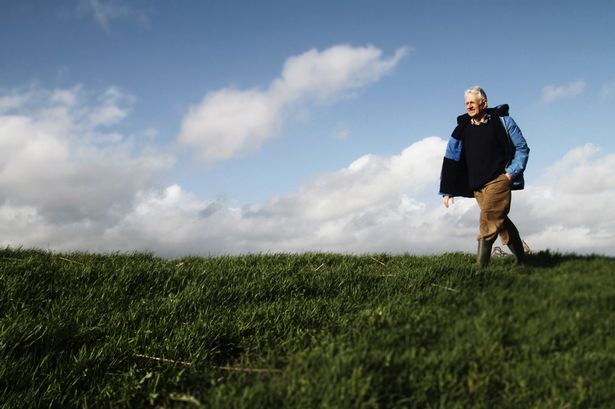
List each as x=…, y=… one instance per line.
x=305, y=331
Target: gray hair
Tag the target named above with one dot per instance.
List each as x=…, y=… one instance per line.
x=476, y=91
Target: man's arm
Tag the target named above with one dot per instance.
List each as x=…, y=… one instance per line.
x=522, y=151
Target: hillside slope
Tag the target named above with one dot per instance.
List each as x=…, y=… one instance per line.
x=305, y=331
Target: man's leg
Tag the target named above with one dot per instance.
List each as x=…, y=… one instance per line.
x=494, y=203
x=515, y=244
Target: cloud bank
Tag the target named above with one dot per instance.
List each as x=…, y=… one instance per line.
x=69, y=181
x=63, y=174
x=230, y=121
x=383, y=204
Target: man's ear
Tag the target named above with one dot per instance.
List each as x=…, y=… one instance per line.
x=485, y=103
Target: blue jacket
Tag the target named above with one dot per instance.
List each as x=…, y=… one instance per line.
x=453, y=179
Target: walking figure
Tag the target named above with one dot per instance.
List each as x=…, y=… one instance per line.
x=485, y=159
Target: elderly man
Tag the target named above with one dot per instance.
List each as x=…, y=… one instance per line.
x=485, y=159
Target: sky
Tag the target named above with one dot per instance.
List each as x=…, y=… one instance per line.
x=230, y=127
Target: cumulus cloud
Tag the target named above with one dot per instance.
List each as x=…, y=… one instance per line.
x=551, y=93
x=58, y=168
x=229, y=121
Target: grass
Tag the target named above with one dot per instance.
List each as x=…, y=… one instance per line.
x=305, y=331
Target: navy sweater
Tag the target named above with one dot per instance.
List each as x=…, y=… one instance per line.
x=484, y=154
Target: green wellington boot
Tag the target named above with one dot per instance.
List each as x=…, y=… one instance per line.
x=484, y=252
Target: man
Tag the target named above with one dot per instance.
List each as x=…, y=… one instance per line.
x=485, y=159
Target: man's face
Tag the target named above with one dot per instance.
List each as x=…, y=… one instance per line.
x=475, y=106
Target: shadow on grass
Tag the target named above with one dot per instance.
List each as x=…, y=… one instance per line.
x=549, y=259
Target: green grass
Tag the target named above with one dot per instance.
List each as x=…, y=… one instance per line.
x=305, y=331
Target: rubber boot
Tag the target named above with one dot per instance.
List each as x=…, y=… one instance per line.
x=516, y=248
x=484, y=252
x=515, y=245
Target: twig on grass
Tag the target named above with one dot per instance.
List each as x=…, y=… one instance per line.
x=71, y=261
x=377, y=261
x=222, y=368
x=249, y=370
x=319, y=267
x=12, y=259
x=155, y=358
x=446, y=288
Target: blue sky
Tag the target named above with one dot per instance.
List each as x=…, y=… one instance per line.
x=238, y=126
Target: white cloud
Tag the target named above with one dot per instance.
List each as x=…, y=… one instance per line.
x=57, y=166
x=551, y=93
x=332, y=72
x=230, y=121
x=105, y=11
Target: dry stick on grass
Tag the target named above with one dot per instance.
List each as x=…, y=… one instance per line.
x=446, y=288
x=223, y=368
x=12, y=259
x=70, y=261
x=319, y=267
x=248, y=370
x=378, y=261
x=155, y=358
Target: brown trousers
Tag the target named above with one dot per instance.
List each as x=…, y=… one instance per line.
x=494, y=203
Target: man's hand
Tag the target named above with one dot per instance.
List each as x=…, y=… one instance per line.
x=446, y=199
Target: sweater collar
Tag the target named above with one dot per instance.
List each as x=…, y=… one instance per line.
x=485, y=119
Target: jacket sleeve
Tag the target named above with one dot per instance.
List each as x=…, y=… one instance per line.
x=522, y=151
x=454, y=175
